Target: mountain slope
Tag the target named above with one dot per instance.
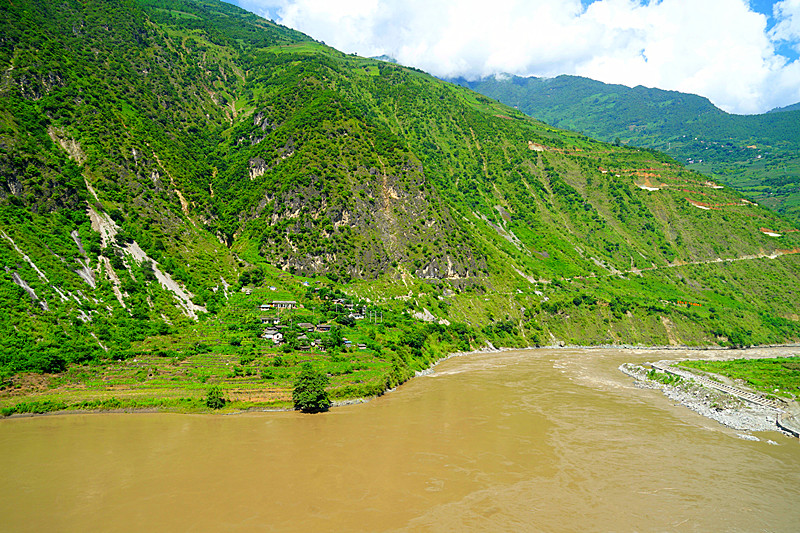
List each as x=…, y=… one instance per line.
x=792, y=107
x=160, y=157
x=756, y=154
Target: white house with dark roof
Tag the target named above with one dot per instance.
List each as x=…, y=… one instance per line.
x=272, y=334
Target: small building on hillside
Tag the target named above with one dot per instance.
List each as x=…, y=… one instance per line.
x=306, y=326
x=278, y=304
x=272, y=334
x=304, y=341
x=323, y=328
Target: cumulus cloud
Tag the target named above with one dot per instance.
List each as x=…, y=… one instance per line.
x=788, y=27
x=721, y=49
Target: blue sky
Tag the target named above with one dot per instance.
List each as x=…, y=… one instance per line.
x=765, y=7
x=741, y=54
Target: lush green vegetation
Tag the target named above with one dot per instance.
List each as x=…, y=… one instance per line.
x=309, y=394
x=756, y=154
x=169, y=166
x=215, y=398
x=778, y=377
x=664, y=378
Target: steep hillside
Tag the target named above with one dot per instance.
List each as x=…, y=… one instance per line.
x=171, y=167
x=756, y=154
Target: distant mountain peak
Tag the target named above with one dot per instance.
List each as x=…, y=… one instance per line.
x=792, y=107
x=386, y=58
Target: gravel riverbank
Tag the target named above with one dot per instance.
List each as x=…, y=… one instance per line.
x=724, y=408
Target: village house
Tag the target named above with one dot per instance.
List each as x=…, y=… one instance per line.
x=323, y=328
x=304, y=342
x=278, y=304
x=272, y=334
x=274, y=320
x=344, y=303
x=306, y=326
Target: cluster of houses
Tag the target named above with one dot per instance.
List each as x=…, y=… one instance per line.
x=273, y=331
x=281, y=305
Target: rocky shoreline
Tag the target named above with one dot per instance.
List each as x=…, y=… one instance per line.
x=724, y=408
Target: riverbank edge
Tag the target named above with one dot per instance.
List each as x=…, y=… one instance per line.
x=488, y=348
x=704, y=401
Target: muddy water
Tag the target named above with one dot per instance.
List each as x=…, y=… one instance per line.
x=545, y=440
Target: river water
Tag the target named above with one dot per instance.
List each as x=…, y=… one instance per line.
x=539, y=440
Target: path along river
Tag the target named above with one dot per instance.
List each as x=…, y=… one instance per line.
x=539, y=440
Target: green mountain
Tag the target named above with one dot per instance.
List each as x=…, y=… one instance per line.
x=755, y=154
x=170, y=168
x=793, y=107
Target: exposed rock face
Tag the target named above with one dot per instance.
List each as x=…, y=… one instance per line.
x=22, y=283
x=257, y=167
x=86, y=274
x=183, y=296
x=71, y=146
x=76, y=236
x=362, y=237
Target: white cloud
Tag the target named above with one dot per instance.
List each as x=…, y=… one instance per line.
x=788, y=28
x=717, y=48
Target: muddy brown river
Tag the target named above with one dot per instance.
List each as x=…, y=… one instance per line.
x=540, y=440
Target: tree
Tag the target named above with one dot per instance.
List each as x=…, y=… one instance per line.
x=334, y=339
x=346, y=320
x=214, y=398
x=309, y=394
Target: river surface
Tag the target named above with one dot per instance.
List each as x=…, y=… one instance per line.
x=538, y=440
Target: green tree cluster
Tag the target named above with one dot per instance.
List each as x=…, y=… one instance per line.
x=309, y=394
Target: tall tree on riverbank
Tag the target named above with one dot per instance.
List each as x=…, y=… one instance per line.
x=214, y=398
x=309, y=394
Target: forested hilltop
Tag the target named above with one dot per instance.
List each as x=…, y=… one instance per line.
x=192, y=196
x=756, y=154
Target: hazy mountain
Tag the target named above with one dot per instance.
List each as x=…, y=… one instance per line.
x=384, y=57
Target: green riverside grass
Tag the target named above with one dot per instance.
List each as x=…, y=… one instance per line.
x=778, y=376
